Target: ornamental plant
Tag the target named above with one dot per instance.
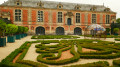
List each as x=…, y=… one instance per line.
x=26, y=29
x=2, y=28
x=107, y=30
x=116, y=30
x=20, y=30
x=11, y=29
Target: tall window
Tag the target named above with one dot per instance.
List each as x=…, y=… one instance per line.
x=107, y=19
x=17, y=15
x=77, y=17
x=59, y=17
x=40, y=16
x=93, y=18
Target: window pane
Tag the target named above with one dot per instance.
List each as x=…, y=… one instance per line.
x=16, y=18
x=17, y=15
x=59, y=16
x=40, y=16
x=77, y=17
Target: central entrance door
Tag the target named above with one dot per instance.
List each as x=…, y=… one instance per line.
x=59, y=31
x=40, y=31
x=69, y=21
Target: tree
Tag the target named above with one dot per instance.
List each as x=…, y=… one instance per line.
x=118, y=20
x=20, y=30
x=11, y=29
x=116, y=30
x=26, y=29
x=107, y=30
x=2, y=28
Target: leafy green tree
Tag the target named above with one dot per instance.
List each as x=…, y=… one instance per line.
x=2, y=28
x=20, y=30
x=116, y=30
x=118, y=20
x=26, y=29
x=107, y=30
x=11, y=29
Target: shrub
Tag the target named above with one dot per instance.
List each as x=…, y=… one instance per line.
x=31, y=63
x=107, y=30
x=117, y=39
x=2, y=28
x=109, y=56
x=94, y=64
x=20, y=30
x=53, y=37
x=56, y=57
x=65, y=61
x=11, y=29
x=26, y=29
x=116, y=62
x=116, y=30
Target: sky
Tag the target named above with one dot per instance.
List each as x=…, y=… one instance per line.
x=114, y=5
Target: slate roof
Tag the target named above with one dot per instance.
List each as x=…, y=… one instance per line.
x=53, y=5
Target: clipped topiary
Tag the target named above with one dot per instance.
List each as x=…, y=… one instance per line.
x=20, y=30
x=2, y=28
x=26, y=29
x=11, y=29
x=2, y=33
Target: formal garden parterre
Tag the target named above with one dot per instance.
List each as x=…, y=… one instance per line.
x=51, y=54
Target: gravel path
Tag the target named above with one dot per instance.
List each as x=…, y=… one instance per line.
x=31, y=54
x=10, y=47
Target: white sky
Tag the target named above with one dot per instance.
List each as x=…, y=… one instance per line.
x=114, y=5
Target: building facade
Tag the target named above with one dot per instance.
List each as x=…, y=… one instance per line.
x=47, y=17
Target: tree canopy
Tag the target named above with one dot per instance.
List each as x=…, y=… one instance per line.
x=118, y=20
x=11, y=29
x=2, y=28
x=116, y=30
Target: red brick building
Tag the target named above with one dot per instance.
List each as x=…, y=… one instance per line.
x=45, y=17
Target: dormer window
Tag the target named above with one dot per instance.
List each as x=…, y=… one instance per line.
x=77, y=7
x=40, y=4
x=59, y=6
x=107, y=9
x=93, y=9
x=18, y=3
